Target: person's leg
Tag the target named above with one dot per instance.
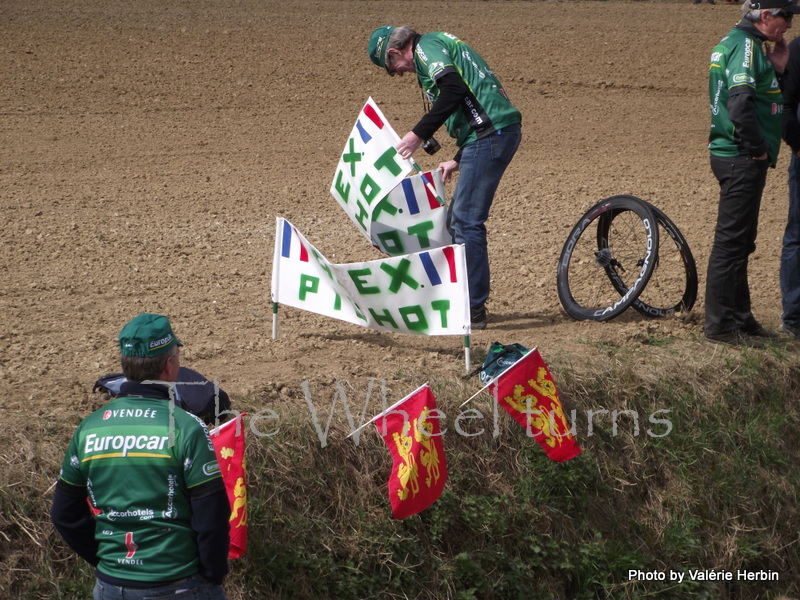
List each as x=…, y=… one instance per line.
x=727, y=301
x=790, y=254
x=482, y=165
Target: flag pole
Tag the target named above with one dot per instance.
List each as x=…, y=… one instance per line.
x=467, y=354
x=476, y=394
x=276, y=265
x=387, y=411
x=428, y=184
x=498, y=376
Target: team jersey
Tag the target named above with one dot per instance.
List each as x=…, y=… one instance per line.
x=739, y=59
x=137, y=462
x=487, y=109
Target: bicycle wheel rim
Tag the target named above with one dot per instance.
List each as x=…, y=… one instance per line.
x=584, y=267
x=672, y=286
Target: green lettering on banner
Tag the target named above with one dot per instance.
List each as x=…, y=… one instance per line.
x=442, y=307
x=399, y=275
x=358, y=310
x=361, y=215
x=384, y=318
x=386, y=161
x=337, y=302
x=369, y=189
x=392, y=244
x=308, y=284
x=384, y=206
x=322, y=264
x=352, y=157
x=421, y=231
x=342, y=189
x=418, y=322
x=356, y=275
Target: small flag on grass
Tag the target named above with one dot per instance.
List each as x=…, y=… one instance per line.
x=228, y=440
x=411, y=431
x=527, y=392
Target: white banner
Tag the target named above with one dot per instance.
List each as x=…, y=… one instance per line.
x=424, y=293
x=398, y=215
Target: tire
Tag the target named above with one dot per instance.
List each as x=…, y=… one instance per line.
x=624, y=251
x=673, y=284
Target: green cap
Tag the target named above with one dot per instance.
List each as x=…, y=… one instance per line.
x=147, y=335
x=377, y=45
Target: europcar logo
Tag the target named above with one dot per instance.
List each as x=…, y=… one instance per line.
x=379, y=46
x=743, y=78
x=211, y=468
x=155, y=344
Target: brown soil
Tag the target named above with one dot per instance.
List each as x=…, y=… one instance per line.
x=147, y=148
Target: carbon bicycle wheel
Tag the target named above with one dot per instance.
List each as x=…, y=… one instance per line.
x=673, y=284
x=625, y=252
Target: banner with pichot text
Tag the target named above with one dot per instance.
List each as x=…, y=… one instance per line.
x=397, y=214
x=424, y=292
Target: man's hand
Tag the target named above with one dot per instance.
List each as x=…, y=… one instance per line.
x=448, y=168
x=408, y=144
x=778, y=55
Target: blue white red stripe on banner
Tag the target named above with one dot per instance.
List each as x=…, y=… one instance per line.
x=365, y=137
x=430, y=267
x=370, y=112
x=286, y=243
x=411, y=196
x=373, y=115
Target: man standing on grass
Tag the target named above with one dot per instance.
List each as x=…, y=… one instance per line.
x=790, y=252
x=149, y=471
x=746, y=104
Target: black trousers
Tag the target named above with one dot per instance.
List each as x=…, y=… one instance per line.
x=741, y=183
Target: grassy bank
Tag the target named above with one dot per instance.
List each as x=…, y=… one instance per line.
x=688, y=469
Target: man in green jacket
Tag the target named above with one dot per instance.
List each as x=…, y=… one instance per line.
x=150, y=473
x=465, y=96
x=746, y=106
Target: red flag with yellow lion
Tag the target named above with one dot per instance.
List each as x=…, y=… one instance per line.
x=527, y=392
x=228, y=440
x=411, y=431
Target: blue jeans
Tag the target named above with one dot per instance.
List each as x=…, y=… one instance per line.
x=741, y=184
x=194, y=588
x=790, y=253
x=482, y=165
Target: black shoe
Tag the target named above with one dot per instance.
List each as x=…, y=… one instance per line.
x=759, y=331
x=735, y=338
x=479, y=318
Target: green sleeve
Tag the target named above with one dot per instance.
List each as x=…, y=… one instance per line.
x=70, y=467
x=741, y=65
x=200, y=463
